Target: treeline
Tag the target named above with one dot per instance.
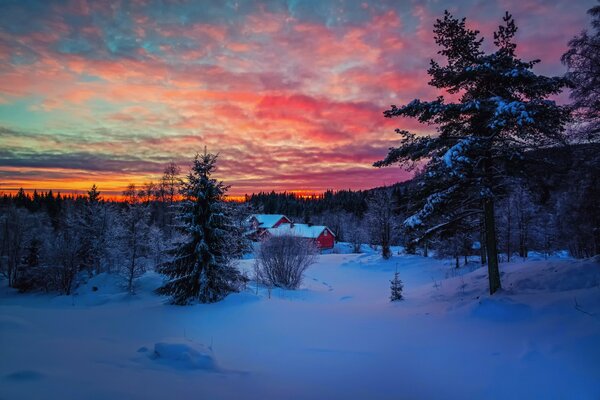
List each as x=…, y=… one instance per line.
x=304, y=207
x=52, y=242
x=549, y=204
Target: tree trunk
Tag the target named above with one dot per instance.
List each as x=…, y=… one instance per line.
x=508, y=231
x=482, y=253
x=491, y=246
x=522, y=237
x=522, y=251
x=425, y=251
x=133, y=255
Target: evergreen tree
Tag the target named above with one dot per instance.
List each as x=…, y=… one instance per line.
x=502, y=112
x=93, y=194
x=201, y=268
x=583, y=61
x=91, y=227
x=396, y=287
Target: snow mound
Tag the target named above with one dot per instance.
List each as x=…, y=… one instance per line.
x=501, y=310
x=184, y=354
x=556, y=277
x=25, y=375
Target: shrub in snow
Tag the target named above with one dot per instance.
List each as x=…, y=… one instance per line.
x=282, y=260
x=396, y=287
x=184, y=354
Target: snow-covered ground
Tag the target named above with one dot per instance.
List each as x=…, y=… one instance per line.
x=337, y=338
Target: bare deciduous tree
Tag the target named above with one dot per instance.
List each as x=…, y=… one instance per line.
x=380, y=220
x=356, y=234
x=66, y=255
x=135, y=243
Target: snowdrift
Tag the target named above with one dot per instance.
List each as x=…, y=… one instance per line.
x=184, y=354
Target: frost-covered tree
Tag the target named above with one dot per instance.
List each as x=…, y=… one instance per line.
x=516, y=216
x=576, y=219
x=66, y=253
x=134, y=241
x=201, y=268
x=237, y=214
x=94, y=221
x=380, y=220
x=396, y=287
x=355, y=233
x=157, y=243
x=502, y=111
x=14, y=236
x=583, y=61
x=455, y=241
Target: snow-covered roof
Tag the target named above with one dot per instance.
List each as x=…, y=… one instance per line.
x=299, y=230
x=267, y=220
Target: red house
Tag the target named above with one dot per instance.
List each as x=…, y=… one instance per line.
x=320, y=234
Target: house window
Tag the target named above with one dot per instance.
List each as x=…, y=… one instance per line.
x=325, y=232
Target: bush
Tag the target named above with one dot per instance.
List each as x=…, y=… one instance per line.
x=282, y=260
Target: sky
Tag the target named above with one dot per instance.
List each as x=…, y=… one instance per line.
x=289, y=93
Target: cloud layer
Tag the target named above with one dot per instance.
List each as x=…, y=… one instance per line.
x=290, y=93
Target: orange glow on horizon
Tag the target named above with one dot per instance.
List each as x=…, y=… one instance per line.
x=118, y=196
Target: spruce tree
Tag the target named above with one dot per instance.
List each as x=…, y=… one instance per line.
x=201, y=269
x=502, y=111
x=93, y=194
x=396, y=287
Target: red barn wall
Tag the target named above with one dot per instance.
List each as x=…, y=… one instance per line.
x=325, y=241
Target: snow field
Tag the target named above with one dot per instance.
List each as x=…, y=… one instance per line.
x=338, y=337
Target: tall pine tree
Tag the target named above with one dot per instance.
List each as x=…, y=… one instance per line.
x=502, y=111
x=201, y=269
